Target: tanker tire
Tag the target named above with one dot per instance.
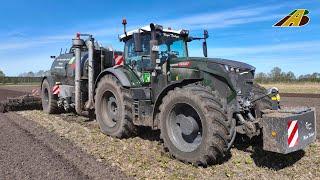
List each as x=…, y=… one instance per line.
x=264, y=103
x=122, y=126
x=48, y=99
x=218, y=126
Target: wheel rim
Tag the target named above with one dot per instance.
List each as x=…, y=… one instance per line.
x=110, y=108
x=184, y=127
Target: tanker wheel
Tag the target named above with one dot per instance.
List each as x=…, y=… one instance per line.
x=113, y=106
x=264, y=103
x=195, y=125
x=48, y=99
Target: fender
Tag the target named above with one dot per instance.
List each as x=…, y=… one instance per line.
x=165, y=90
x=120, y=75
x=50, y=80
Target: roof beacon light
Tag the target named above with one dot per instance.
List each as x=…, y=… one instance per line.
x=124, y=21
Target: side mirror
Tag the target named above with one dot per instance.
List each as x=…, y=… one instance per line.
x=137, y=42
x=205, y=49
x=205, y=34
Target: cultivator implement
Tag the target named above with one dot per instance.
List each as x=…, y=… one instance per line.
x=26, y=102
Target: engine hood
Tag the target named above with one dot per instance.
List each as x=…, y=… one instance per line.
x=232, y=63
x=216, y=67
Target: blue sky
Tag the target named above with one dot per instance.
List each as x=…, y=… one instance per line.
x=31, y=31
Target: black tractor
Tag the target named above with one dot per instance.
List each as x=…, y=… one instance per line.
x=198, y=103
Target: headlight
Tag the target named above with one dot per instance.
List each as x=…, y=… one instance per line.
x=226, y=67
x=231, y=69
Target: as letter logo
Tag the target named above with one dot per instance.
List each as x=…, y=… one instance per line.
x=295, y=19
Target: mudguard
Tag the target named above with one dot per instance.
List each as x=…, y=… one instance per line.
x=120, y=75
x=50, y=80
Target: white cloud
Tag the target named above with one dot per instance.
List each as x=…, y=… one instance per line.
x=227, y=18
x=289, y=47
x=216, y=19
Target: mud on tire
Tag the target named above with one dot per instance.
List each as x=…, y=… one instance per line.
x=48, y=99
x=195, y=125
x=113, y=108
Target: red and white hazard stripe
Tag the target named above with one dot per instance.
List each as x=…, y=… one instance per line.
x=119, y=60
x=56, y=90
x=293, y=133
x=35, y=92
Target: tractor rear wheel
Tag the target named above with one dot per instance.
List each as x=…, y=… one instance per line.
x=113, y=108
x=48, y=99
x=195, y=125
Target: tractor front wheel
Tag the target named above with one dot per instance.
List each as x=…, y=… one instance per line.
x=113, y=106
x=195, y=125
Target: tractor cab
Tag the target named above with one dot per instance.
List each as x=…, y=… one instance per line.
x=170, y=44
x=150, y=49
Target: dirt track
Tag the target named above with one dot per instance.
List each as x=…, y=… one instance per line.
x=35, y=149
x=28, y=151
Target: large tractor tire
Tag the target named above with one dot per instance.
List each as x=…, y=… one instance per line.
x=195, y=125
x=48, y=99
x=262, y=104
x=114, y=108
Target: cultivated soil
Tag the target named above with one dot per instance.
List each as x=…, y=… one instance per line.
x=138, y=157
x=4, y=94
x=310, y=100
x=29, y=151
x=20, y=88
x=143, y=156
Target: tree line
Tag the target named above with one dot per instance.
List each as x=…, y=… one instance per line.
x=277, y=75
x=20, y=80
x=24, y=78
x=40, y=73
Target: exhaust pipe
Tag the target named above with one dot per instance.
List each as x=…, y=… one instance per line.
x=78, y=44
x=90, y=46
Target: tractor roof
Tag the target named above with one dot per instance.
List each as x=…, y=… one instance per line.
x=147, y=28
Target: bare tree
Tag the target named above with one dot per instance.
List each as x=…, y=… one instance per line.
x=2, y=74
